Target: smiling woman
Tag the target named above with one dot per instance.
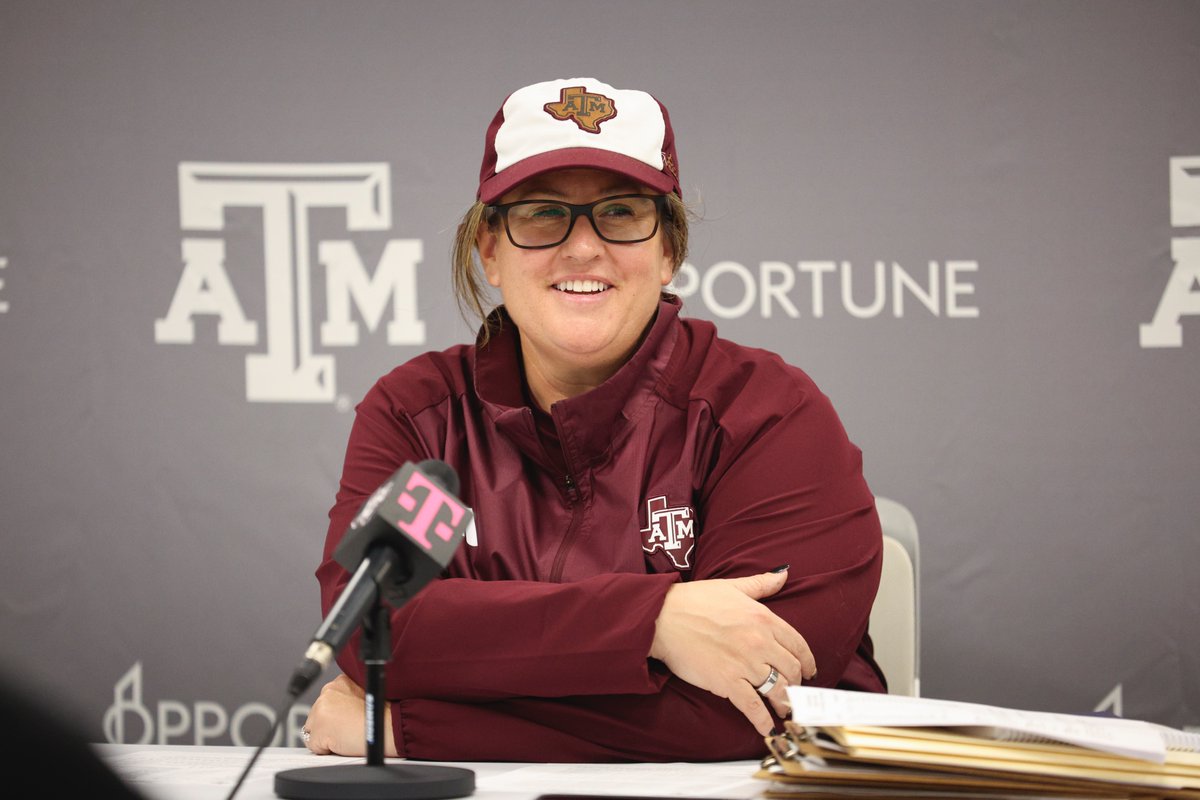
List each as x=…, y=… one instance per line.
x=640, y=485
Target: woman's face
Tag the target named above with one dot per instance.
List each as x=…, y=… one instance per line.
x=593, y=325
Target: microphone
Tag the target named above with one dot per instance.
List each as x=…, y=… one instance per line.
x=401, y=539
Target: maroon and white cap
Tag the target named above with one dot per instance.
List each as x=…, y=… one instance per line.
x=578, y=122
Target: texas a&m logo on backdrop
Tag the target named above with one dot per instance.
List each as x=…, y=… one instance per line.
x=290, y=369
x=1181, y=297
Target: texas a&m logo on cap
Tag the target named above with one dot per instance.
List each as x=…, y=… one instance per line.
x=671, y=530
x=586, y=109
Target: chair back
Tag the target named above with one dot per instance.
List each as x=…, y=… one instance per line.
x=896, y=614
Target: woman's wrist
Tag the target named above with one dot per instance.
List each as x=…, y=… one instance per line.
x=389, y=733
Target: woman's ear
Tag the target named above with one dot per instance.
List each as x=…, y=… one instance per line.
x=666, y=271
x=486, y=243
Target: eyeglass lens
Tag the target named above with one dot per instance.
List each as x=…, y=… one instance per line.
x=544, y=223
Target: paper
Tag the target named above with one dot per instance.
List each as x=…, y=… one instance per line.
x=832, y=707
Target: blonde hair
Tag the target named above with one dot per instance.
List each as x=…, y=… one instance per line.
x=470, y=286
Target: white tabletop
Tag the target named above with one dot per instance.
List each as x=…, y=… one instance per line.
x=192, y=772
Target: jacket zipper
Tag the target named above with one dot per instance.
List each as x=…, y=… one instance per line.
x=569, y=537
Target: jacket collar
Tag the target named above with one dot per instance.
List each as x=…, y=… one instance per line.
x=591, y=423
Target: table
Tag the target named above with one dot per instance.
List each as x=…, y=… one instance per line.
x=205, y=772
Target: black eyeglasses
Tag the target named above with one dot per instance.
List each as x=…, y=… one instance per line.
x=621, y=219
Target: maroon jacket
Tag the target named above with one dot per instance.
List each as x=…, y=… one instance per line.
x=698, y=459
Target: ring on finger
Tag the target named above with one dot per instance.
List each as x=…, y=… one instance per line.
x=769, y=684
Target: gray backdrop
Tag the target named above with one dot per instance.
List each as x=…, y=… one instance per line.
x=976, y=225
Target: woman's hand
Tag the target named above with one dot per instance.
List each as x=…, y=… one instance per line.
x=714, y=634
x=337, y=722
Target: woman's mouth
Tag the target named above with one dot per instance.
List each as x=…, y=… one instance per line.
x=582, y=287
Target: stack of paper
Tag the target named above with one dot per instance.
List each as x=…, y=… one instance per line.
x=852, y=743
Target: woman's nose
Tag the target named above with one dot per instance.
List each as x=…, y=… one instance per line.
x=582, y=240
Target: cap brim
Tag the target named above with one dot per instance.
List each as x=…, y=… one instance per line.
x=575, y=157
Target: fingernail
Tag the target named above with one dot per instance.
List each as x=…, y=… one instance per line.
x=782, y=568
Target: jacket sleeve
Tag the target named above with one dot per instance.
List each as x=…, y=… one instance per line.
x=794, y=494
x=678, y=723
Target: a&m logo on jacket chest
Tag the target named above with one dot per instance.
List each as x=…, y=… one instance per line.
x=671, y=530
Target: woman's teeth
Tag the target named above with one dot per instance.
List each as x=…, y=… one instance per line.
x=581, y=287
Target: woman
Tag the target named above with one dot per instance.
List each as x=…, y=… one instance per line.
x=639, y=485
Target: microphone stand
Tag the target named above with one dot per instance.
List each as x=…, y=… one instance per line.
x=376, y=644
x=375, y=780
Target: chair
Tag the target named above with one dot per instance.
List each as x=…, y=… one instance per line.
x=896, y=615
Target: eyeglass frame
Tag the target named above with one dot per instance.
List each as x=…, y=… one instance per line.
x=661, y=211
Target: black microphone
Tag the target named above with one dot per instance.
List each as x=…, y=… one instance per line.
x=402, y=538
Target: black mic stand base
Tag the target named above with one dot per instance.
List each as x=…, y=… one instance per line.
x=365, y=782
x=375, y=780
